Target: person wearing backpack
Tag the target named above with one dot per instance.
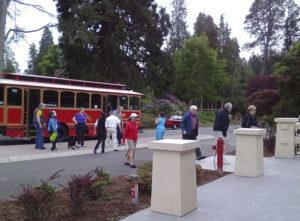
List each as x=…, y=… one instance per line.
x=100, y=132
x=52, y=126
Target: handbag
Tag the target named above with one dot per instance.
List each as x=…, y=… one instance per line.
x=53, y=136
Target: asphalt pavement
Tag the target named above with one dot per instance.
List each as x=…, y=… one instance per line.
x=22, y=164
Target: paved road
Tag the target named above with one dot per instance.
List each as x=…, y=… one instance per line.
x=31, y=171
x=27, y=172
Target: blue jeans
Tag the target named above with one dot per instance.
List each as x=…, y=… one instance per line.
x=39, y=140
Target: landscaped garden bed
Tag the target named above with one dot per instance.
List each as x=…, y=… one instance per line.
x=105, y=201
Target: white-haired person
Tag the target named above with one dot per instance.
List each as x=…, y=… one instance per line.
x=250, y=119
x=221, y=126
x=189, y=126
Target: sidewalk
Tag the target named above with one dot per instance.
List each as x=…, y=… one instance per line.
x=273, y=196
x=12, y=153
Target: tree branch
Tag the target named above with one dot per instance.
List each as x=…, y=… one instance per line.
x=19, y=30
x=37, y=7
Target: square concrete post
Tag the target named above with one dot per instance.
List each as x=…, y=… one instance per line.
x=249, y=152
x=174, y=176
x=285, y=135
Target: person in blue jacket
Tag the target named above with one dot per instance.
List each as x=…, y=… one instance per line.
x=160, y=126
x=52, y=127
x=189, y=126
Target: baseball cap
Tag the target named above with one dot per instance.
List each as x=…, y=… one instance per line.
x=133, y=115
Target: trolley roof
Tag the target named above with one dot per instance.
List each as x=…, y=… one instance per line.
x=14, y=79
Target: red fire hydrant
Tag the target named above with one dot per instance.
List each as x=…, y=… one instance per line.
x=220, y=150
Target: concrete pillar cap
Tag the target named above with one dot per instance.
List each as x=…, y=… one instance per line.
x=286, y=120
x=249, y=131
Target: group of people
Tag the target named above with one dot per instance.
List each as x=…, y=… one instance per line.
x=106, y=128
x=190, y=124
x=111, y=128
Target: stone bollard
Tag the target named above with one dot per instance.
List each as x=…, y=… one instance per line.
x=174, y=189
x=249, y=152
x=285, y=135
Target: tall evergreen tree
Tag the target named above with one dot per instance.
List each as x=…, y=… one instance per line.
x=205, y=25
x=291, y=24
x=45, y=43
x=10, y=63
x=51, y=61
x=32, y=62
x=178, y=32
x=289, y=86
x=112, y=40
x=264, y=23
x=199, y=73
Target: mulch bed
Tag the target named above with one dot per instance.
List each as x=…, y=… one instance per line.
x=115, y=204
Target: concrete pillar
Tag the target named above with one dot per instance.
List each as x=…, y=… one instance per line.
x=249, y=152
x=174, y=176
x=285, y=134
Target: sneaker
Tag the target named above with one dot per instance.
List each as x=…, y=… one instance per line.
x=94, y=152
x=225, y=162
x=126, y=164
x=116, y=150
x=201, y=157
x=132, y=166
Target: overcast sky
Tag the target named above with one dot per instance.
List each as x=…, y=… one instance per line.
x=234, y=12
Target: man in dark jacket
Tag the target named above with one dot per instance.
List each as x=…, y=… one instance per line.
x=190, y=123
x=221, y=126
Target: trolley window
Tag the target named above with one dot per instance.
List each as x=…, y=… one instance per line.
x=83, y=100
x=123, y=101
x=134, y=103
x=1, y=95
x=14, y=96
x=96, y=101
x=51, y=98
x=66, y=99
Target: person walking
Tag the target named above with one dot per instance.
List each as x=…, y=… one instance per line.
x=118, y=114
x=160, y=126
x=38, y=122
x=250, y=119
x=80, y=125
x=190, y=123
x=100, y=131
x=131, y=134
x=221, y=126
x=111, y=124
x=52, y=129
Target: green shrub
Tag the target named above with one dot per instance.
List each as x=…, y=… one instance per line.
x=206, y=118
x=95, y=190
x=102, y=175
x=148, y=120
x=38, y=202
x=144, y=173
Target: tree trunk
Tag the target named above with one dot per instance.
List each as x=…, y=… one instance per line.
x=3, y=11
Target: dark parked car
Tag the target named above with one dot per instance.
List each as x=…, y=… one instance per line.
x=173, y=121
